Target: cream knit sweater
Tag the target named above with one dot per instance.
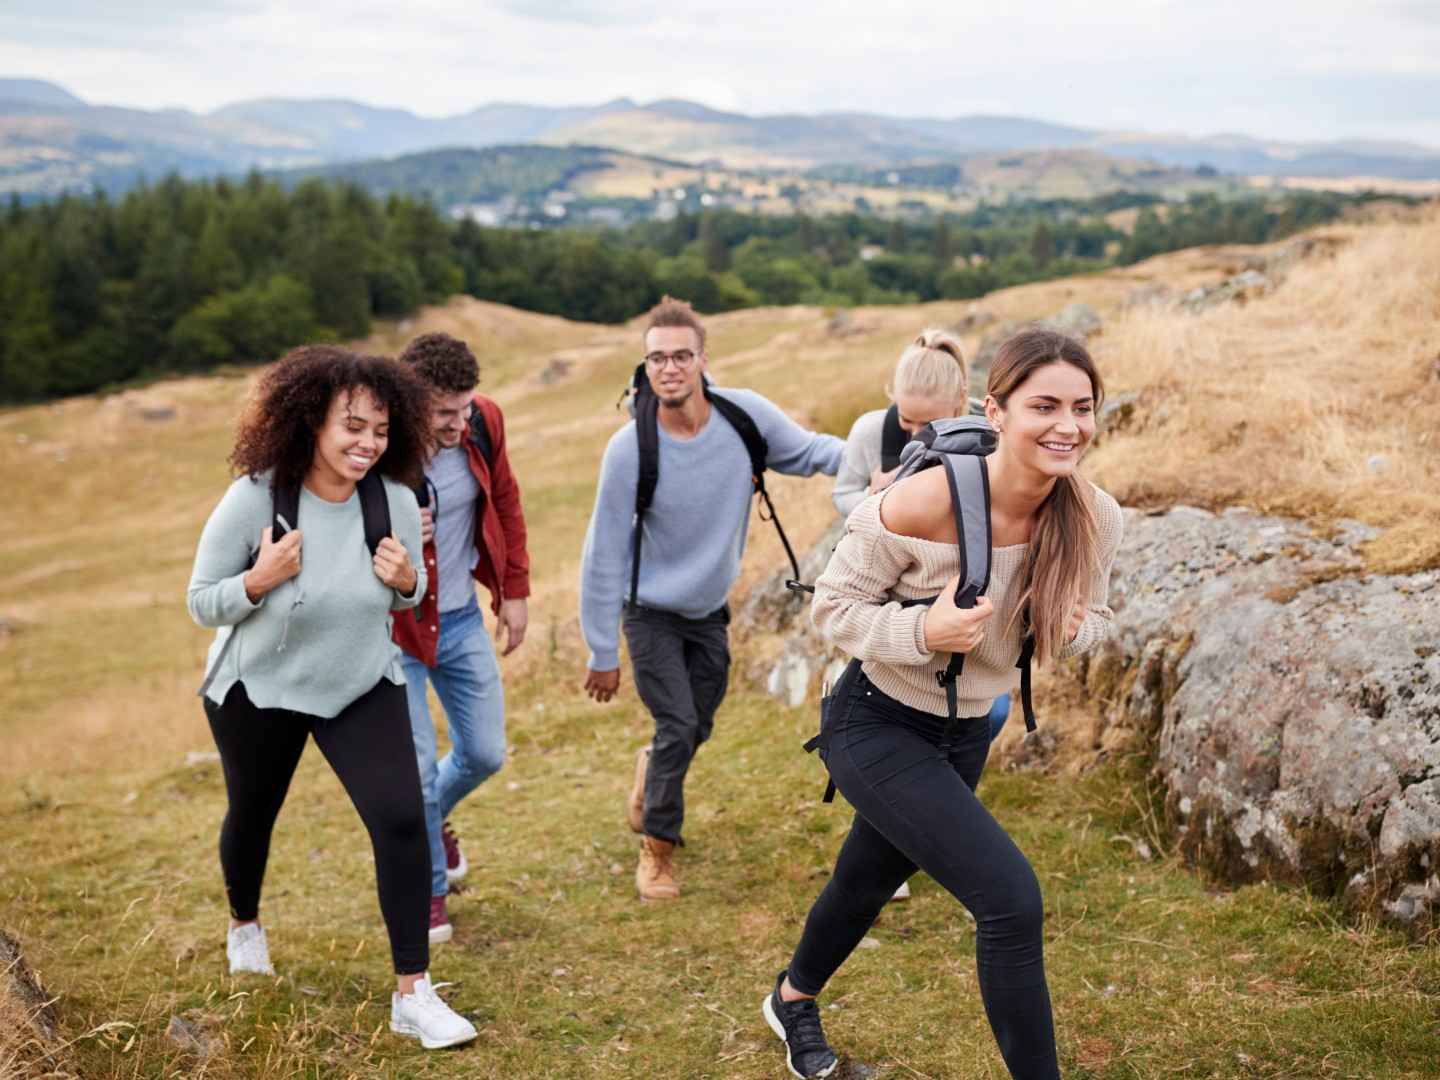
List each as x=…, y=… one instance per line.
x=857, y=608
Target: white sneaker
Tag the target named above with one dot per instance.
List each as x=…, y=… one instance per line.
x=247, y=951
x=902, y=893
x=423, y=1015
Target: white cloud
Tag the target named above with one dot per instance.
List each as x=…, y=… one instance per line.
x=1159, y=65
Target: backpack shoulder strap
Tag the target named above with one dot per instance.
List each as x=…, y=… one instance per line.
x=755, y=444
x=647, y=434
x=892, y=439
x=969, y=480
x=480, y=435
x=759, y=450
x=374, y=509
x=1027, y=653
x=285, y=506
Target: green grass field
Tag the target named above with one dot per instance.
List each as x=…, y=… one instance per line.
x=110, y=807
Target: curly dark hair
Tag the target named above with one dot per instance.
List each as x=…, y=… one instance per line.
x=277, y=429
x=445, y=363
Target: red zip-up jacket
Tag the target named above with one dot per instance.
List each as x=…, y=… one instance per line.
x=503, y=566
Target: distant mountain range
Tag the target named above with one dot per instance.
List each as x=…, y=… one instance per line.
x=51, y=140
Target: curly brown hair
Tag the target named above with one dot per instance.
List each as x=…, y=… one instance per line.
x=445, y=363
x=277, y=429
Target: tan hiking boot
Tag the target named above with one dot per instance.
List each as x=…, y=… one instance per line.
x=655, y=874
x=635, y=809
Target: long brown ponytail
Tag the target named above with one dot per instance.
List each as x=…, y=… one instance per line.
x=1064, y=552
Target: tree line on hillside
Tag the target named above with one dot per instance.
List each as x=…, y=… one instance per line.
x=179, y=276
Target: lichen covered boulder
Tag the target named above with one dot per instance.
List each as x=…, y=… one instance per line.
x=1289, y=701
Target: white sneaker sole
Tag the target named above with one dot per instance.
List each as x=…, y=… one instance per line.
x=252, y=971
x=768, y=1011
x=428, y=1043
x=439, y=935
x=452, y=876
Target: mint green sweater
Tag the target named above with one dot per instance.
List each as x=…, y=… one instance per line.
x=320, y=640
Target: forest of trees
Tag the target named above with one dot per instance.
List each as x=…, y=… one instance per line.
x=181, y=275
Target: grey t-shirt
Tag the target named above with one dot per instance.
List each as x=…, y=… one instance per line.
x=456, y=490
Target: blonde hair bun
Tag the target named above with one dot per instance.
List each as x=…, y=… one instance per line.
x=932, y=366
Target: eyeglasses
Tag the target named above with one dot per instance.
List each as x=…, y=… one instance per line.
x=683, y=359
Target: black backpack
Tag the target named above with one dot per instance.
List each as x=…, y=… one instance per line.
x=961, y=445
x=646, y=407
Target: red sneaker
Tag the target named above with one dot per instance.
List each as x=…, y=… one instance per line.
x=440, y=928
x=455, y=865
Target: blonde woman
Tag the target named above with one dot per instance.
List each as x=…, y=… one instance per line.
x=931, y=382
x=910, y=771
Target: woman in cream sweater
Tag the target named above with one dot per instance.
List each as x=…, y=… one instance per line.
x=888, y=749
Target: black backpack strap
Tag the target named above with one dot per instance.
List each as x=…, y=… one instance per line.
x=892, y=439
x=647, y=433
x=480, y=436
x=374, y=509
x=285, y=510
x=1027, y=653
x=833, y=698
x=759, y=451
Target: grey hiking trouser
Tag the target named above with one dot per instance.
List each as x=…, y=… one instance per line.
x=682, y=668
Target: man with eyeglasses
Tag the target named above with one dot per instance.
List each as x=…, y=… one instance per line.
x=473, y=529
x=691, y=540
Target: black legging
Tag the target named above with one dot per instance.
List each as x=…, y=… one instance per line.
x=916, y=807
x=372, y=752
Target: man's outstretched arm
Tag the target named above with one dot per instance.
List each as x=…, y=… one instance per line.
x=605, y=564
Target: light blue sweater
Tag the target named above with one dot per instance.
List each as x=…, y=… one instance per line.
x=316, y=642
x=694, y=532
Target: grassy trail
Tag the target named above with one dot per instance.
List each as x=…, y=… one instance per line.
x=108, y=824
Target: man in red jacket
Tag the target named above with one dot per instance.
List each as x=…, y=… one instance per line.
x=473, y=530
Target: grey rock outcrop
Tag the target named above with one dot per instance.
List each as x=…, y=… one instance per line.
x=1258, y=276
x=1290, y=702
x=23, y=999
x=771, y=608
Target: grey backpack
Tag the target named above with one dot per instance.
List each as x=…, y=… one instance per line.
x=960, y=446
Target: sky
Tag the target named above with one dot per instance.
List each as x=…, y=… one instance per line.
x=1282, y=69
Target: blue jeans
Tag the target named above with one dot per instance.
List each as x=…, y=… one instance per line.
x=467, y=681
x=999, y=713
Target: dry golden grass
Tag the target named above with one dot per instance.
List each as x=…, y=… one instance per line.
x=1422, y=188
x=1321, y=400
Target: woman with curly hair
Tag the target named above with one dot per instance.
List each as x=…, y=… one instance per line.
x=304, y=646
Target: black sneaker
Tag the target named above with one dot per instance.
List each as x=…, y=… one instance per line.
x=797, y=1025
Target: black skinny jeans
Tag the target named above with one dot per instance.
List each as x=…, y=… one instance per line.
x=371, y=750
x=682, y=669
x=916, y=808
